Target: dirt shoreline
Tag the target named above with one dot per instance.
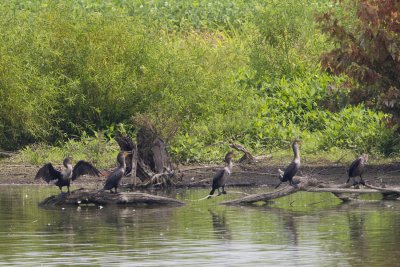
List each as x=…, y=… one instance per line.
x=242, y=175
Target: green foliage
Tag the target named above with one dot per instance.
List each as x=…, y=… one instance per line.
x=287, y=41
x=204, y=73
x=355, y=128
x=100, y=151
x=201, y=14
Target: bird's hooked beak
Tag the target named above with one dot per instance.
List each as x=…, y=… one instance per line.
x=126, y=153
x=298, y=141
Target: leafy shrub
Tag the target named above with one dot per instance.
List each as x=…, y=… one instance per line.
x=100, y=151
x=205, y=73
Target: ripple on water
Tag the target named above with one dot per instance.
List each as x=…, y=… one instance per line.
x=202, y=233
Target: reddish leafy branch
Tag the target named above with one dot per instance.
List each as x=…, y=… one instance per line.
x=368, y=51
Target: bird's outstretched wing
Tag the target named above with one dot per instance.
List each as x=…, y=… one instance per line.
x=82, y=167
x=48, y=173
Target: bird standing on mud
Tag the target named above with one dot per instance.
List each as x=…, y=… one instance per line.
x=64, y=177
x=222, y=175
x=293, y=167
x=357, y=169
x=115, y=177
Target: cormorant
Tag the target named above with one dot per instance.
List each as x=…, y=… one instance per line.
x=126, y=144
x=357, y=168
x=293, y=167
x=64, y=177
x=115, y=177
x=222, y=175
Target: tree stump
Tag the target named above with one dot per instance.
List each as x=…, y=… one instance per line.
x=150, y=160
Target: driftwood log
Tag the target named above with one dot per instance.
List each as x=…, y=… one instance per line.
x=344, y=192
x=247, y=158
x=100, y=197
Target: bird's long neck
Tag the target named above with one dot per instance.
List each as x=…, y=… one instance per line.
x=296, y=152
x=229, y=166
x=122, y=164
x=68, y=171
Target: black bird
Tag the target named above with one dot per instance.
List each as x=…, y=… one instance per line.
x=293, y=167
x=357, y=169
x=222, y=175
x=115, y=177
x=64, y=177
x=126, y=144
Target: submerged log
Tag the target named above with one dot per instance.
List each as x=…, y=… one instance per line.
x=100, y=197
x=341, y=191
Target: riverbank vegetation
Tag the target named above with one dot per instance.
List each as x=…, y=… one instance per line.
x=203, y=73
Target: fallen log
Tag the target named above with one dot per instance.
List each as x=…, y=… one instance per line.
x=100, y=197
x=341, y=191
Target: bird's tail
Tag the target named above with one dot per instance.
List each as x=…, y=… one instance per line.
x=278, y=184
x=212, y=192
x=348, y=180
x=280, y=177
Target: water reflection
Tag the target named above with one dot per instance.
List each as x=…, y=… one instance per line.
x=220, y=228
x=356, y=222
x=201, y=232
x=290, y=228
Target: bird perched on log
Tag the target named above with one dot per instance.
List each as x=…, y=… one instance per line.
x=126, y=144
x=357, y=168
x=222, y=175
x=114, y=178
x=64, y=177
x=293, y=167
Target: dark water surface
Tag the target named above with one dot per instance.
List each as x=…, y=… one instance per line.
x=303, y=230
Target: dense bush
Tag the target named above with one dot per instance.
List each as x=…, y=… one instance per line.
x=203, y=73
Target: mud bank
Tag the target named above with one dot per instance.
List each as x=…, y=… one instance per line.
x=201, y=175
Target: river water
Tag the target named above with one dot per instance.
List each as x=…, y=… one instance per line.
x=305, y=229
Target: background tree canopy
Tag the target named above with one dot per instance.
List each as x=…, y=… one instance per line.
x=202, y=72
